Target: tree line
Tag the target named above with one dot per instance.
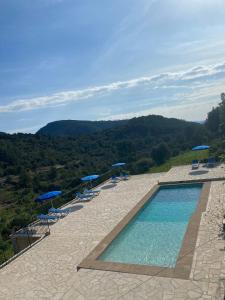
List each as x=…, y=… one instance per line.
x=31, y=164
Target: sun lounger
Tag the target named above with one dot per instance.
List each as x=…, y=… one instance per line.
x=211, y=162
x=91, y=192
x=195, y=164
x=124, y=176
x=115, y=179
x=43, y=217
x=224, y=225
x=56, y=211
x=84, y=197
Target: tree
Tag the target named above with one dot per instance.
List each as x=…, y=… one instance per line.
x=142, y=165
x=36, y=183
x=213, y=120
x=24, y=179
x=222, y=115
x=160, y=153
x=3, y=245
x=52, y=173
x=3, y=249
x=20, y=221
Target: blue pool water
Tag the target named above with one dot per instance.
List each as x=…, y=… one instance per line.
x=154, y=236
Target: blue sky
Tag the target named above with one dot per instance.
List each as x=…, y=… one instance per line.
x=94, y=60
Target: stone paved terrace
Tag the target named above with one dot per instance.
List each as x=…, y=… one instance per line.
x=48, y=270
x=185, y=173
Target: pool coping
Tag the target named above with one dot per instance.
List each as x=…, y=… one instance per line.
x=184, y=262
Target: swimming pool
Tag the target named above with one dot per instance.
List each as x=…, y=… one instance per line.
x=155, y=235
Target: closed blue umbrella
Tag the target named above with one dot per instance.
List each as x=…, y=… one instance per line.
x=49, y=195
x=119, y=164
x=89, y=178
x=201, y=147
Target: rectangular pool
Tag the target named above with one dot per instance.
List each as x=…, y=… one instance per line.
x=155, y=235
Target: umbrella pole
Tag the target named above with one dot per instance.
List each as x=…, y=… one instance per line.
x=48, y=226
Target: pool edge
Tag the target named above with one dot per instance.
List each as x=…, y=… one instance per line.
x=185, y=257
x=184, y=262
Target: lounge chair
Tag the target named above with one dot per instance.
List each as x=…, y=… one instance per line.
x=43, y=217
x=211, y=162
x=83, y=197
x=56, y=211
x=124, y=176
x=91, y=192
x=223, y=225
x=195, y=164
x=115, y=179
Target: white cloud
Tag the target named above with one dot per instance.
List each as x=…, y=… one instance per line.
x=193, y=106
x=199, y=76
x=196, y=112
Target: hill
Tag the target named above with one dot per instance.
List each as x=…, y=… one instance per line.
x=32, y=164
x=76, y=127
x=130, y=141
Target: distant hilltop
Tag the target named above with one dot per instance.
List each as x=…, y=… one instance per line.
x=76, y=128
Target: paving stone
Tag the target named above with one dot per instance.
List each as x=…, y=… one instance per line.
x=48, y=270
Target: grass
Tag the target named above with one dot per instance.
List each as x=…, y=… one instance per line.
x=182, y=159
x=6, y=252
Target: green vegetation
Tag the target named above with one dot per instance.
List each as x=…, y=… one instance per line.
x=216, y=119
x=33, y=164
x=74, y=128
x=179, y=160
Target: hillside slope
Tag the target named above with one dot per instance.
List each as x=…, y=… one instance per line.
x=75, y=128
x=130, y=141
x=31, y=164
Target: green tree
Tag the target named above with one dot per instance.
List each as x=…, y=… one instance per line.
x=24, y=179
x=36, y=183
x=20, y=221
x=160, y=153
x=222, y=115
x=213, y=120
x=142, y=165
x=52, y=173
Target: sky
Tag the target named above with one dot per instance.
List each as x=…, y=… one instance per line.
x=109, y=60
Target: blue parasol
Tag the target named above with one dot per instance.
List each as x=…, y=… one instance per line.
x=47, y=196
x=119, y=165
x=89, y=178
x=201, y=147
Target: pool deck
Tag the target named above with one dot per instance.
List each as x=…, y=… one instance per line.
x=48, y=270
x=183, y=265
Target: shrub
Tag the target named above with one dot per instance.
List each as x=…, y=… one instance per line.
x=20, y=221
x=160, y=153
x=142, y=165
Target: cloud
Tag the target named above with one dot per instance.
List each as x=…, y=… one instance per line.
x=199, y=76
x=188, y=111
x=192, y=106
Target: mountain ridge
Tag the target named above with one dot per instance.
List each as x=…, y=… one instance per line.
x=77, y=127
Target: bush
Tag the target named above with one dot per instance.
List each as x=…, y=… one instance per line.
x=160, y=153
x=24, y=180
x=3, y=246
x=20, y=221
x=5, y=232
x=142, y=165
